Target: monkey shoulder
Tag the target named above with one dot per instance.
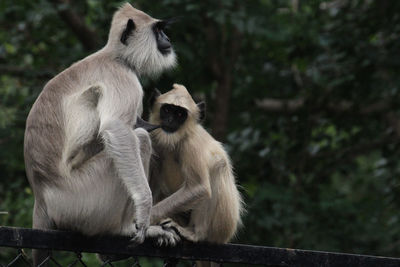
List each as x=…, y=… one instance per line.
x=216, y=154
x=205, y=149
x=111, y=88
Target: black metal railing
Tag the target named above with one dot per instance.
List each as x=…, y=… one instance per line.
x=20, y=238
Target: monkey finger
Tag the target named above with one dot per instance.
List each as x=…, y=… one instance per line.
x=166, y=222
x=168, y=239
x=139, y=237
x=136, y=240
x=160, y=242
x=169, y=225
x=173, y=237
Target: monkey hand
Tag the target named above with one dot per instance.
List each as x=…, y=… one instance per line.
x=182, y=232
x=140, y=234
x=167, y=237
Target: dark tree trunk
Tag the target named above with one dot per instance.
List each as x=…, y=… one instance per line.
x=222, y=101
x=224, y=49
x=88, y=38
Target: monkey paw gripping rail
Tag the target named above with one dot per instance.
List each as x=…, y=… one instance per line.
x=118, y=245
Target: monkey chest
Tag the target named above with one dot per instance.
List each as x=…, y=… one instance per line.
x=172, y=177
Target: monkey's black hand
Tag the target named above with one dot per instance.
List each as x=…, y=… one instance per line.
x=140, y=123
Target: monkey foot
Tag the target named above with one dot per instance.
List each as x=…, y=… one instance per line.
x=163, y=236
x=139, y=236
x=184, y=233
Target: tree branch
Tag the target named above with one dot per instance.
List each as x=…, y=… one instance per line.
x=280, y=105
x=353, y=151
x=86, y=36
x=347, y=155
x=224, y=46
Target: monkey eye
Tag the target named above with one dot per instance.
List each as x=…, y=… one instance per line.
x=166, y=109
x=180, y=114
x=161, y=25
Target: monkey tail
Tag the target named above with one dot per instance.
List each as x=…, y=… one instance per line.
x=228, y=205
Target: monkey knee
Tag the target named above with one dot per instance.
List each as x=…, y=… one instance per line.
x=144, y=139
x=109, y=125
x=108, y=130
x=143, y=135
x=116, y=134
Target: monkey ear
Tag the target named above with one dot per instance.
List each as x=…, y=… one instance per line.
x=202, y=108
x=154, y=95
x=130, y=26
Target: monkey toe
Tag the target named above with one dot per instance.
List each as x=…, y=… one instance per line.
x=136, y=240
x=139, y=237
x=166, y=223
x=168, y=239
x=171, y=226
x=160, y=242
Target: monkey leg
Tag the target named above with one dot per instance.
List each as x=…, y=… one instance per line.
x=185, y=232
x=145, y=148
x=123, y=146
x=41, y=221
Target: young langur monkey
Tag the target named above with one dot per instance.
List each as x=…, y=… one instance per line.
x=87, y=166
x=191, y=172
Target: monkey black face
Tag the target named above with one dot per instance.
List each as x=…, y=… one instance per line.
x=172, y=117
x=163, y=42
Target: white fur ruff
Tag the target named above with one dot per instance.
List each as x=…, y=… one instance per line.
x=142, y=53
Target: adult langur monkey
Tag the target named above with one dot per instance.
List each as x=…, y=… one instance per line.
x=86, y=164
x=191, y=172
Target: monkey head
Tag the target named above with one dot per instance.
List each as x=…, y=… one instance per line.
x=176, y=113
x=140, y=41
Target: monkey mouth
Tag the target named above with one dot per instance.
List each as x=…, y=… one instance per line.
x=165, y=51
x=168, y=129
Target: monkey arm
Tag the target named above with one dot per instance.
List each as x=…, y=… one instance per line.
x=123, y=146
x=195, y=188
x=182, y=200
x=140, y=123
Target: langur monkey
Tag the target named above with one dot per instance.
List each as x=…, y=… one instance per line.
x=191, y=172
x=87, y=166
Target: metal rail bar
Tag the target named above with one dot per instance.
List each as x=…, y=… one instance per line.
x=233, y=253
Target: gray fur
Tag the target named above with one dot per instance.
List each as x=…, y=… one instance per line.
x=87, y=167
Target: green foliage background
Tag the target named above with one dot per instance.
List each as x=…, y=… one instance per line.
x=318, y=162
